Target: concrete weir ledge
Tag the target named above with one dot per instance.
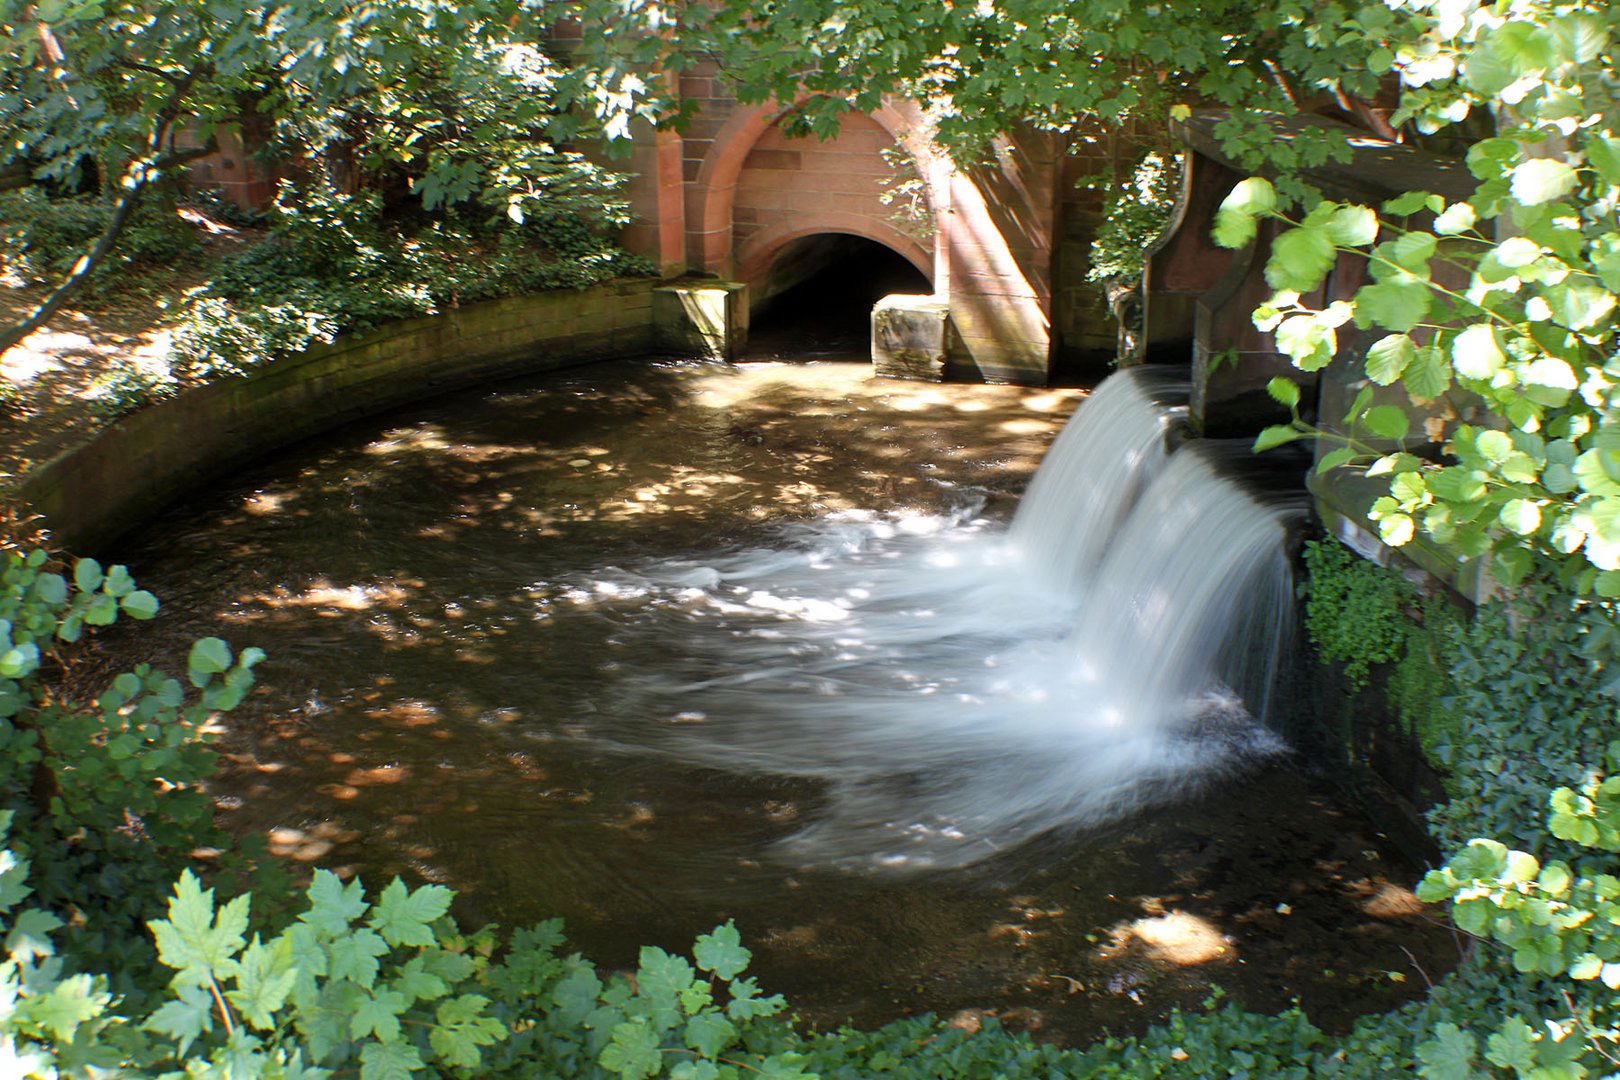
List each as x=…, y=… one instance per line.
x=94, y=493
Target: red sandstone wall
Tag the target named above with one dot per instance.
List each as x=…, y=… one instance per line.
x=795, y=185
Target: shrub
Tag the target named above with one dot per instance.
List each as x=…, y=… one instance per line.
x=211, y=202
x=1534, y=708
x=1134, y=214
x=126, y=386
x=1355, y=611
x=331, y=265
x=104, y=793
x=43, y=237
x=1362, y=615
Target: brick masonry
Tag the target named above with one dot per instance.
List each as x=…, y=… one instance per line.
x=727, y=194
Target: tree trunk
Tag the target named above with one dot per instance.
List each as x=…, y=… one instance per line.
x=134, y=184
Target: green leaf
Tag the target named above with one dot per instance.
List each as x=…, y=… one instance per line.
x=19, y=662
x=1492, y=445
x=1603, y=154
x=1235, y=220
x=1555, y=878
x=51, y=589
x=1457, y=218
x=1511, y=566
x=462, y=1028
x=709, y=1033
x=403, y=917
x=389, y=1061
x=377, y=1014
x=1353, y=226
x=1398, y=304
x=660, y=978
x=264, y=977
x=419, y=984
x=1455, y=484
x=1407, y=203
x=209, y=656
x=1429, y=376
x=1300, y=259
x=1521, y=867
x=1506, y=259
x=1586, y=966
x=30, y=936
x=1542, y=180
x=1308, y=341
x=139, y=605
x=1386, y=421
x=102, y=611
x=195, y=941
x=633, y=1052
x=1596, y=471
x=1514, y=1045
x=354, y=957
x=1276, y=435
x=1395, y=529
x=1284, y=391
x=1363, y=398
x=333, y=906
x=87, y=575
x=184, y=1019
x=74, y=1001
x=1475, y=353
x=1520, y=516
x=118, y=584
x=721, y=951
x=575, y=996
x=1411, y=252
x=1549, y=380
x=1449, y=1055
x=694, y=1070
x=746, y=1002
x=1578, y=303
x=1333, y=459
x=1388, y=358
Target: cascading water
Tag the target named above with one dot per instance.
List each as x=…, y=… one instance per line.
x=960, y=689
x=1093, y=475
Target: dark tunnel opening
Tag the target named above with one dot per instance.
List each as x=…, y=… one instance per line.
x=816, y=299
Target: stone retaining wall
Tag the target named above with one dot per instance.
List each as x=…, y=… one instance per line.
x=91, y=495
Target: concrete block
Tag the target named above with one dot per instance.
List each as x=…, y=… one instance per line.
x=708, y=318
x=911, y=337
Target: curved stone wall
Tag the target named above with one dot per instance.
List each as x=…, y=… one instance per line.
x=92, y=494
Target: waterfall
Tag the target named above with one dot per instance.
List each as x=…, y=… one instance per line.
x=962, y=687
x=1093, y=474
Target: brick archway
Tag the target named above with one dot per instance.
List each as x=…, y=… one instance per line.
x=761, y=249
x=710, y=206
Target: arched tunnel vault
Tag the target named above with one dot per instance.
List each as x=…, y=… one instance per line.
x=816, y=292
x=742, y=189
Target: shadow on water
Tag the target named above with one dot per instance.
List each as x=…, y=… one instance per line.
x=443, y=597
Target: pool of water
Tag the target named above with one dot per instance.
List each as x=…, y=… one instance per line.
x=467, y=608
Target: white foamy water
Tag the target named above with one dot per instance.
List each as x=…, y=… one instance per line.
x=961, y=687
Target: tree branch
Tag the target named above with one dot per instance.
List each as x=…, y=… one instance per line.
x=167, y=76
x=140, y=173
